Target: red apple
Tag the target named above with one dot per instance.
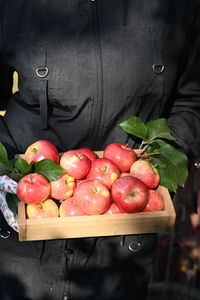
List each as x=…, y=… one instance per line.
x=33, y=188
x=46, y=209
x=130, y=194
x=92, y=196
x=41, y=149
x=122, y=155
x=124, y=174
x=76, y=164
x=105, y=170
x=69, y=209
x=78, y=181
x=89, y=153
x=145, y=171
x=155, y=201
x=113, y=209
x=63, y=187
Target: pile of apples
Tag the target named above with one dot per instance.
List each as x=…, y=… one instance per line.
x=118, y=182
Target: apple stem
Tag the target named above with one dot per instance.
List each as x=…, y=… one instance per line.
x=142, y=153
x=156, y=165
x=104, y=169
x=34, y=150
x=31, y=178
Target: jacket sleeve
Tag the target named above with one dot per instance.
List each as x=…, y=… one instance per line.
x=6, y=73
x=184, y=118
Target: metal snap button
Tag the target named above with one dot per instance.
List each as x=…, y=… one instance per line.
x=42, y=72
x=197, y=165
x=134, y=246
x=158, y=68
x=4, y=234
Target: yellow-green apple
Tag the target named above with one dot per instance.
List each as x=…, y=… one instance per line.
x=63, y=187
x=155, y=201
x=41, y=149
x=105, y=170
x=76, y=164
x=33, y=188
x=46, y=209
x=88, y=152
x=145, y=171
x=130, y=194
x=113, y=209
x=122, y=155
x=93, y=197
x=69, y=209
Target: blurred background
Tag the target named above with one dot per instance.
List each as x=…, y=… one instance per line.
x=176, y=274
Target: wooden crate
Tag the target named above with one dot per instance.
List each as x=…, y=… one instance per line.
x=98, y=225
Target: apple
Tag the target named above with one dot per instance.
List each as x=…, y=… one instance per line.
x=63, y=187
x=155, y=201
x=33, y=188
x=122, y=155
x=76, y=164
x=124, y=174
x=145, y=171
x=105, y=170
x=130, y=194
x=88, y=152
x=78, y=181
x=46, y=209
x=41, y=149
x=93, y=197
x=69, y=209
x=113, y=209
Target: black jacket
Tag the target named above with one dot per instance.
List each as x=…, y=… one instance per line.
x=104, y=61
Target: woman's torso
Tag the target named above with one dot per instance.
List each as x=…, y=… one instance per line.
x=99, y=56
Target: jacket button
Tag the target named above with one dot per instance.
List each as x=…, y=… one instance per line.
x=135, y=247
x=42, y=72
x=4, y=234
x=158, y=68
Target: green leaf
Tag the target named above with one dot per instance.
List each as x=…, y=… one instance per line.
x=135, y=126
x=167, y=172
x=179, y=161
x=159, y=129
x=16, y=175
x=4, y=170
x=4, y=156
x=172, y=165
x=48, y=169
x=12, y=201
x=22, y=166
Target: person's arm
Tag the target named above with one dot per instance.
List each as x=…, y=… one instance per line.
x=184, y=118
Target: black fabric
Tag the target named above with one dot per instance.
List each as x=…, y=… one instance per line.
x=101, y=57
x=93, y=268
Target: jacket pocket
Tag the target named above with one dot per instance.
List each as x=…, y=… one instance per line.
x=134, y=69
